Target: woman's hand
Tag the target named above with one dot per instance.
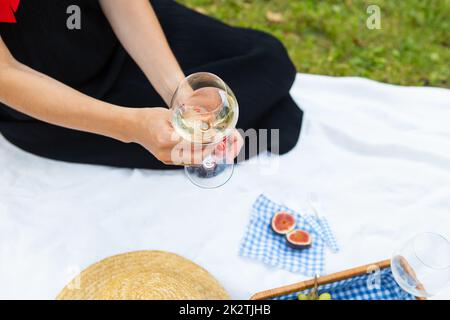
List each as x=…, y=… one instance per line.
x=154, y=131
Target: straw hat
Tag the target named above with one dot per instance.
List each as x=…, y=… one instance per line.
x=144, y=275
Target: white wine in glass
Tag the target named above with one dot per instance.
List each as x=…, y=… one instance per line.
x=205, y=113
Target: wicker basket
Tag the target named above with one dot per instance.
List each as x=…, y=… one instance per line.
x=339, y=281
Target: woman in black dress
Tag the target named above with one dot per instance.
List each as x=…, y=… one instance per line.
x=98, y=94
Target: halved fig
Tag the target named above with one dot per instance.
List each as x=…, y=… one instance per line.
x=299, y=239
x=283, y=222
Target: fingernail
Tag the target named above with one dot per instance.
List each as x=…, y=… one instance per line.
x=221, y=147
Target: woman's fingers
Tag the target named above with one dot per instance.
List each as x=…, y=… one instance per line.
x=230, y=147
x=176, y=151
x=186, y=153
x=238, y=143
x=206, y=99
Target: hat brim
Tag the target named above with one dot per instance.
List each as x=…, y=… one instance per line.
x=144, y=275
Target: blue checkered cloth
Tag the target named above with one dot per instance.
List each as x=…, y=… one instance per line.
x=260, y=242
x=362, y=287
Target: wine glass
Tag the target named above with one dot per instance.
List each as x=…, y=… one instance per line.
x=205, y=113
x=422, y=266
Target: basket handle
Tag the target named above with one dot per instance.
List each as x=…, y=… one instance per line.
x=308, y=284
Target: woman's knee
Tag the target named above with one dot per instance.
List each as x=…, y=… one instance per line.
x=275, y=56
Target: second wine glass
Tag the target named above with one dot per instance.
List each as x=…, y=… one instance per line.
x=422, y=266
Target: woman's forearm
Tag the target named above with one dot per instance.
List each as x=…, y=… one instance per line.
x=46, y=99
x=138, y=29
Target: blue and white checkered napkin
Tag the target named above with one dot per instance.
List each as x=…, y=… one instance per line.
x=362, y=288
x=260, y=242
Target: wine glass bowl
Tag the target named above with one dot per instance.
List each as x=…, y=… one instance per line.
x=205, y=114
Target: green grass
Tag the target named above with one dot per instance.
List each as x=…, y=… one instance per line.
x=331, y=37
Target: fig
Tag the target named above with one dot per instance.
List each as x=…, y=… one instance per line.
x=283, y=222
x=298, y=239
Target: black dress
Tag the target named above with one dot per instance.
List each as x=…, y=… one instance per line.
x=91, y=60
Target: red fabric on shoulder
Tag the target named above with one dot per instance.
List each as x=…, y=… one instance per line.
x=7, y=9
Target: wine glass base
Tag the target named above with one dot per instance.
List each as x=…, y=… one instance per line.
x=210, y=175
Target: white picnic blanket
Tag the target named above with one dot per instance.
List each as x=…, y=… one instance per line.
x=376, y=155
